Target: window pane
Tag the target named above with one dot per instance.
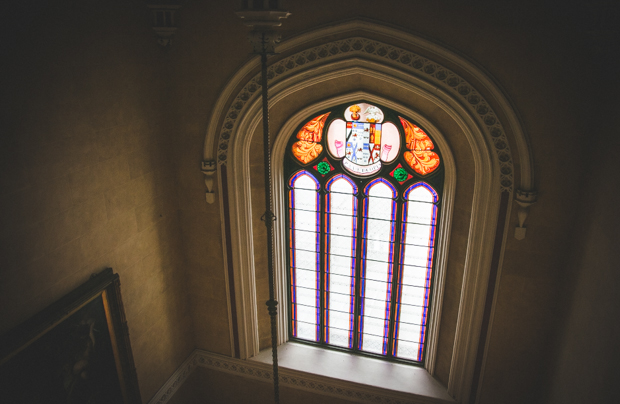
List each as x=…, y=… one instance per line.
x=338, y=337
x=340, y=302
x=305, y=279
x=342, y=245
x=341, y=224
x=306, y=297
x=417, y=247
x=373, y=344
x=305, y=259
x=340, y=265
x=377, y=250
x=417, y=255
x=306, y=331
x=304, y=253
x=382, y=209
x=374, y=308
x=304, y=220
x=412, y=295
x=408, y=350
x=410, y=332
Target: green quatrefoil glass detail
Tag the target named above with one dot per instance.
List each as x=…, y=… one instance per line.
x=400, y=174
x=323, y=167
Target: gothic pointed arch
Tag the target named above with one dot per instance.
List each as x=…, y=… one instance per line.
x=485, y=152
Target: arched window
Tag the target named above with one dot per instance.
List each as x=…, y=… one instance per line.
x=363, y=187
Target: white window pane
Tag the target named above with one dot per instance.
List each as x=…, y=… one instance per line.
x=306, y=331
x=409, y=332
x=375, y=290
x=342, y=245
x=342, y=204
x=379, y=229
x=305, y=182
x=305, y=199
x=375, y=308
x=341, y=186
x=422, y=194
x=371, y=343
x=340, y=302
x=306, y=279
x=339, y=320
x=408, y=350
x=418, y=256
x=340, y=284
x=306, y=240
x=306, y=314
x=304, y=220
x=414, y=276
x=418, y=234
x=412, y=295
x=306, y=297
x=380, y=208
x=340, y=265
x=341, y=225
x=377, y=271
x=420, y=212
x=411, y=314
x=338, y=337
x=378, y=250
x=373, y=326
x=305, y=259
x=382, y=190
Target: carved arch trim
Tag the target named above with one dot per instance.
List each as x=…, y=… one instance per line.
x=237, y=114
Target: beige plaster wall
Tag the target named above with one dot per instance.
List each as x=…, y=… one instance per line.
x=585, y=367
x=86, y=176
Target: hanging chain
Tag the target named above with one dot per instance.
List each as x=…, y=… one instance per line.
x=269, y=218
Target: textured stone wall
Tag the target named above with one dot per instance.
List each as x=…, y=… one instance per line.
x=87, y=179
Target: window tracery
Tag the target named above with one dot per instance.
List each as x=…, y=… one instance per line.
x=362, y=217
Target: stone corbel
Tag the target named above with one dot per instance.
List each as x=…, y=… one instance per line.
x=209, y=167
x=163, y=21
x=524, y=199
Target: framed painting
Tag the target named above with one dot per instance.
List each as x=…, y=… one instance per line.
x=76, y=351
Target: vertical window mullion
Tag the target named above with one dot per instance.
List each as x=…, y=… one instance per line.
x=396, y=274
x=358, y=269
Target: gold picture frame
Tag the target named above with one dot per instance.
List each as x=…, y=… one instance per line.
x=76, y=351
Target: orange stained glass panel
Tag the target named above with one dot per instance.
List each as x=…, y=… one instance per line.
x=308, y=148
x=419, y=154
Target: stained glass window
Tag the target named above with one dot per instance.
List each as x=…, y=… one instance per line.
x=364, y=187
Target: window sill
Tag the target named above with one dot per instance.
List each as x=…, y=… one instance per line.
x=348, y=368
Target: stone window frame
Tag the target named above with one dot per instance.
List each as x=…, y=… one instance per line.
x=237, y=114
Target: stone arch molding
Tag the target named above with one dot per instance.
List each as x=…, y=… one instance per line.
x=237, y=114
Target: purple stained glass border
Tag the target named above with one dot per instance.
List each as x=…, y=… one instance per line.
x=328, y=186
x=291, y=184
x=390, y=263
x=429, y=266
